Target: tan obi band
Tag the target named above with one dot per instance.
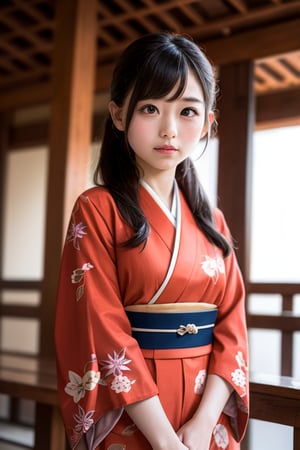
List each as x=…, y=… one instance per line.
x=172, y=325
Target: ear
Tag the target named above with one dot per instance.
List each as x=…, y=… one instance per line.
x=207, y=125
x=117, y=115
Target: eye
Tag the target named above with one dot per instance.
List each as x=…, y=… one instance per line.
x=149, y=109
x=189, y=112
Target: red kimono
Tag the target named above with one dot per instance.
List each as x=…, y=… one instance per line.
x=101, y=367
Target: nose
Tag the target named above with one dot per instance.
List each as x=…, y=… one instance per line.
x=168, y=128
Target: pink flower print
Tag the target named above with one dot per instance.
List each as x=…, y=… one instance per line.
x=221, y=436
x=84, y=420
x=121, y=384
x=116, y=363
x=200, y=382
x=213, y=267
x=77, y=276
x=84, y=198
x=76, y=232
x=75, y=438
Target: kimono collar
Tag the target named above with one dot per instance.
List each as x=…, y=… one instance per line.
x=177, y=223
x=171, y=214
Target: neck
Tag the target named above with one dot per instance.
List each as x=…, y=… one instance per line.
x=163, y=187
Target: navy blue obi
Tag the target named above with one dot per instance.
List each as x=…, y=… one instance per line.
x=172, y=325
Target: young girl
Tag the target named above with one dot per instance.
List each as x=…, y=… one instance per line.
x=145, y=239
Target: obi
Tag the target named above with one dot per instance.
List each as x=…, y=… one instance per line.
x=172, y=325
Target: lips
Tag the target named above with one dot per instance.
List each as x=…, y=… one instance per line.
x=166, y=149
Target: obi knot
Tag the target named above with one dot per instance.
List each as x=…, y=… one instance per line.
x=190, y=328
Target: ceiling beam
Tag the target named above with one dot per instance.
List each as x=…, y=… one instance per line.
x=254, y=44
x=250, y=45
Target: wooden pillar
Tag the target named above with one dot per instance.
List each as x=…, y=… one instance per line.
x=5, y=124
x=236, y=125
x=69, y=137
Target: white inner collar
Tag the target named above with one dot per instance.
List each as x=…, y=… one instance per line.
x=171, y=214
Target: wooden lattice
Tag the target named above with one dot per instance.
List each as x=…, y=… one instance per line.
x=27, y=29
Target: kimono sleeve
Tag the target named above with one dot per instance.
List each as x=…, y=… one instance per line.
x=100, y=367
x=229, y=358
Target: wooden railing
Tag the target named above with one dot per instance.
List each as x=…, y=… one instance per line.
x=276, y=399
x=272, y=398
x=34, y=378
x=287, y=322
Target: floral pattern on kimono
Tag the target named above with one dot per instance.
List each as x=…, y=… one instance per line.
x=101, y=368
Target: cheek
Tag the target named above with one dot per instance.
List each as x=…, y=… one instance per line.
x=193, y=132
x=137, y=133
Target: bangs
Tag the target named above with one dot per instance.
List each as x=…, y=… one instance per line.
x=157, y=73
x=160, y=74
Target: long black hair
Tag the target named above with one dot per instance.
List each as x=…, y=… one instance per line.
x=150, y=67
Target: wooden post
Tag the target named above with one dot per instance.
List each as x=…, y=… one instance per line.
x=237, y=118
x=69, y=137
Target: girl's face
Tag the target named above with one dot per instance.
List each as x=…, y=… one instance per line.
x=163, y=132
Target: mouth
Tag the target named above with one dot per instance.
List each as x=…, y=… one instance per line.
x=166, y=149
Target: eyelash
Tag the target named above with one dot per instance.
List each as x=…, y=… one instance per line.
x=194, y=111
x=146, y=108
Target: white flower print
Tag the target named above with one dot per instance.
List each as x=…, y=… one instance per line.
x=121, y=384
x=240, y=360
x=239, y=378
x=213, y=267
x=77, y=385
x=200, y=382
x=221, y=436
x=84, y=420
x=78, y=276
x=239, y=375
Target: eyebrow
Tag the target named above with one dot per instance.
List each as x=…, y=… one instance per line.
x=187, y=99
x=192, y=99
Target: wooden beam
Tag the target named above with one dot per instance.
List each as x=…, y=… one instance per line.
x=32, y=94
x=278, y=108
x=237, y=115
x=273, y=288
x=69, y=137
x=29, y=135
x=247, y=45
x=254, y=44
x=284, y=322
x=20, y=311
